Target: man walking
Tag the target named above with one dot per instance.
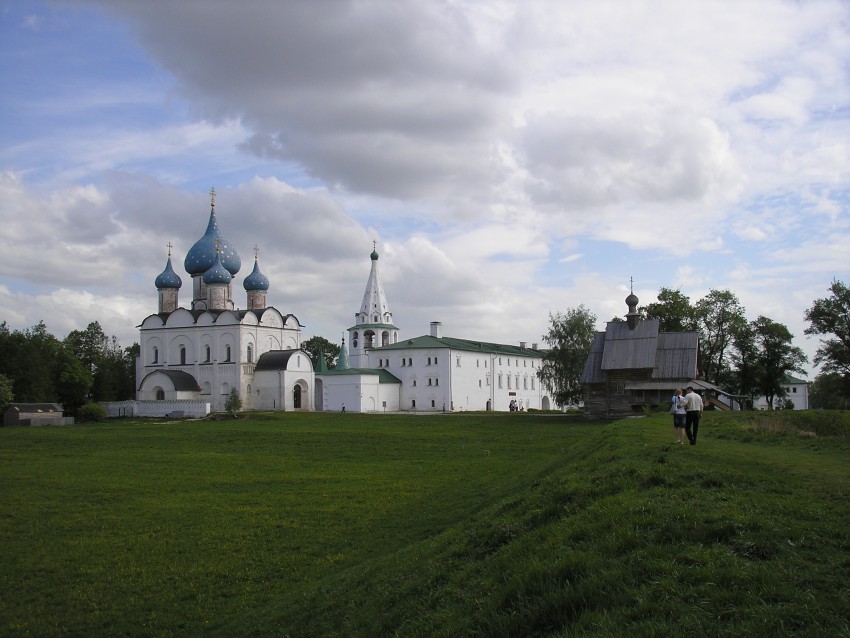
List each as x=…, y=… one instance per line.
x=693, y=413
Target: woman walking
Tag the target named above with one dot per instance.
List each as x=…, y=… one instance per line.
x=677, y=409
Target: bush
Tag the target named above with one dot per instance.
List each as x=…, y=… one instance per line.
x=91, y=412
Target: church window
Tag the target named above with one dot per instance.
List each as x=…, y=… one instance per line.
x=532, y=383
x=414, y=383
x=409, y=361
x=477, y=363
x=182, y=355
x=525, y=383
x=155, y=355
x=509, y=382
x=402, y=361
x=208, y=353
x=429, y=381
x=432, y=403
x=413, y=403
x=485, y=363
x=227, y=354
x=250, y=354
x=160, y=394
x=436, y=382
x=524, y=363
x=429, y=360
x=479, y=383
x=488, y=378
x=385, y=338
x=458, y=361
x=500, y=380
x=380, y=363
x=509, y=363
x=500, y=360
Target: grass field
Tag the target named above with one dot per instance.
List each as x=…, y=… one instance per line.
x=510, y=524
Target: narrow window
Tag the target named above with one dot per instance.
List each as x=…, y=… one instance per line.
x=410, y=362
x=160, y=394
x=182, y=355
x=155, y=355
x=207, y=351
x=413, y=403
x=251, y=354
x=227, y=354
x=436, y=382
x=509, y=382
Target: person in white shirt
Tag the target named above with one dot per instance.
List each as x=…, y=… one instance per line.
x=693, y=408
x=677, y=409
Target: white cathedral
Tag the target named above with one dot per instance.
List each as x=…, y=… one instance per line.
x=192, y=358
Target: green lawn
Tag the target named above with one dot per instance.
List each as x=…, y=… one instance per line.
x=445, y=525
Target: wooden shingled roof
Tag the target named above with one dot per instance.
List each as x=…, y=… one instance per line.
x=670, y=355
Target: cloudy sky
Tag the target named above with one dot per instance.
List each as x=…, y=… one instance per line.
x=511, y=159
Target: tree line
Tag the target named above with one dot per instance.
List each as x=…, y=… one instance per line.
x=746, y=358
x=84, y=367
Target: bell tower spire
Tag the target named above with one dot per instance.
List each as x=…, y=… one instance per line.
x=373, y=322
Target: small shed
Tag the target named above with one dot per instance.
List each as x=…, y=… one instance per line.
x=34, y=414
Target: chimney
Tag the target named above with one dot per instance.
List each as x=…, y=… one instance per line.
x=534, y=346
x=522, y=344
x=437, y=329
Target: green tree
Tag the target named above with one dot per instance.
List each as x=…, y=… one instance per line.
x=314, y=345
x=112, y=378
x=569, y=338
x=73, y=381
x=745, y=359
x=830, y=391
x=673, y=310
x=776, y=357
x=719, y=316
x=6, y=394
x=29, y=358
x=831, y=316
x=233, y=403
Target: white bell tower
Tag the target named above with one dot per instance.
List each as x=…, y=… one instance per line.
x=373, y=322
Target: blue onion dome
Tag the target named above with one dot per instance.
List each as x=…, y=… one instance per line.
x=256, y=280
x=374, y=255
x=218, y=274
x=202, y=255
x=168, y=278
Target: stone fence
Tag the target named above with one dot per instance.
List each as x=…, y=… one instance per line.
x=176, y=408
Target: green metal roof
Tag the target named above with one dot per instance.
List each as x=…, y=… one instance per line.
x=467, y=345
x=366, y=326
x=384, y=376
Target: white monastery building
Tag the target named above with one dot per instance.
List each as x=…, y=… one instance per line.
x=192, y=358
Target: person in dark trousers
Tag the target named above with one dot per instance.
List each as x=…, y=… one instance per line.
x=693, y=407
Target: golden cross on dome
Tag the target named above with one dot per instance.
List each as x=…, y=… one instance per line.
x=374, y=245
x=169, y=249
x=212, y=197
x=256, y=252
x=632, y=285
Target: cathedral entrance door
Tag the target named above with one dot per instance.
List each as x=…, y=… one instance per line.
x=296, y=397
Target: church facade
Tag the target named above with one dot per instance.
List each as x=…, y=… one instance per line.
x=205, y=351
x=201, y=353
